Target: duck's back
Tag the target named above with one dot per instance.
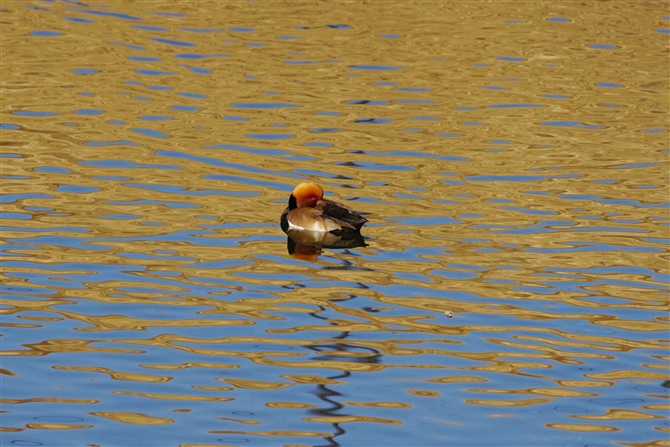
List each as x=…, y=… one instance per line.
x=347, y=217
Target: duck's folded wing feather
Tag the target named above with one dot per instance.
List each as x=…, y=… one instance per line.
x=341, y=213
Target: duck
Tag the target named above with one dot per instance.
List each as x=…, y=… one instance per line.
x=308, y=211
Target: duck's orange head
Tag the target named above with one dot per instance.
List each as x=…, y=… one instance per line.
x=306, y=194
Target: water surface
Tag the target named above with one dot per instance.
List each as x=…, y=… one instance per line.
x=511, y=159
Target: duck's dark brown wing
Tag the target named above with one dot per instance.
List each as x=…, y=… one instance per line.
x=348, y=218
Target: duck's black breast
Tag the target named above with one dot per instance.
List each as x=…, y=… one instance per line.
x=283, y=221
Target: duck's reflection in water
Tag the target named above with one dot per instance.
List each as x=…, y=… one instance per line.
x=308, y=245
x=337, y=351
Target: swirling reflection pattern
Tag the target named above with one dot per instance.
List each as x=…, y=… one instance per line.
x=511, y=159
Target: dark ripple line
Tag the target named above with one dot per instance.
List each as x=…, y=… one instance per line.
x=223, y=164
x=106, y=14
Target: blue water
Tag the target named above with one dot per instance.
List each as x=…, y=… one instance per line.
x=512, y=286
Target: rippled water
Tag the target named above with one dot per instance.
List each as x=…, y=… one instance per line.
x=511, y=159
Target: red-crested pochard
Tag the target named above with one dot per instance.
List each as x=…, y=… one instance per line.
x=308, y=211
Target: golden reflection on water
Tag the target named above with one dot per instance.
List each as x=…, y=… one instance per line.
x=57, y=426
x=133, y=418
x=117, y=375
x=511, y=159
x=583, y=427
